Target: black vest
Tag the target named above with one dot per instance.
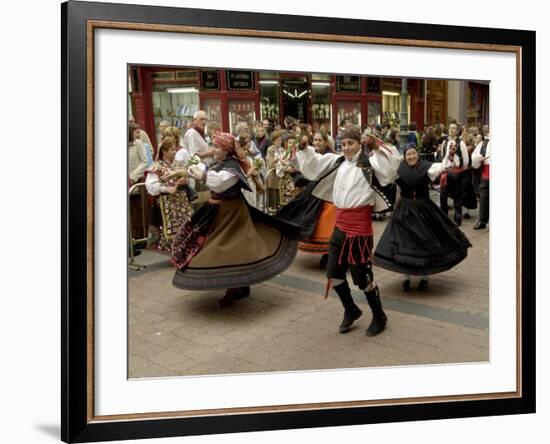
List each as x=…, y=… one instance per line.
x=458, y=150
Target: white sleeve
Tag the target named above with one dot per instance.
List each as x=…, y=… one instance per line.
x=220, y=181
x=477, y=158
x=312, y=164
x=385, y=161
x=465, y=155
x=182, y=157
x=153, y=184
x=143, y=162
x=438, y=168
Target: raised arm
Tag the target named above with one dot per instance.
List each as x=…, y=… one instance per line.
x=312, y=164
x=385, y=161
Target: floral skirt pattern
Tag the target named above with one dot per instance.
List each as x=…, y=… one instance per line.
x=175, y=211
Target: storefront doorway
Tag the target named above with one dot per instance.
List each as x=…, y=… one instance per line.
x=296, y=93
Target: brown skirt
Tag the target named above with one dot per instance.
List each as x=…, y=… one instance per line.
x=243, y=247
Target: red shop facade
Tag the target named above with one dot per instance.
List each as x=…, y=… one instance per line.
x=231, y=96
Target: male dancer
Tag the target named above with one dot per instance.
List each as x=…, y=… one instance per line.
x=480, y=159
x=355, y=195
x=455, y=182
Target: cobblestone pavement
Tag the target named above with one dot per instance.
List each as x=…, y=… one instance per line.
x=286, y=324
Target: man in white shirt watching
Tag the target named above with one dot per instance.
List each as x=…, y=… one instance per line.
x=194, y=140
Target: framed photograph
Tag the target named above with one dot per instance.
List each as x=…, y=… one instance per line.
x=160, y=339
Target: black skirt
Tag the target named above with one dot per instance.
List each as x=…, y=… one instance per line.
x=420, y=240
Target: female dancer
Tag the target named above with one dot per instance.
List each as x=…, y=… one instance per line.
x=313, y=210
x=172, y=207
x=227, y=243
x=420, y=239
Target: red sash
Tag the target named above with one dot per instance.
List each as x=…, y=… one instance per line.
x=485, y=172
x=356, y=223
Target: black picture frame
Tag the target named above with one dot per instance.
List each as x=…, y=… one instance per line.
x=77, y=424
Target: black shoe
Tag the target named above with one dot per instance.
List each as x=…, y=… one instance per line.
x=232, y=295
x=480, y=226
x=467, y=216
x=458, y=222
x=377, y=325
x=423, y=285
x=350, y=316
x=407, y=285
x=323, y=262
x=379, y=318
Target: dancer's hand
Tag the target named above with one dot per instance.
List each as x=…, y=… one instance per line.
x=195, y=172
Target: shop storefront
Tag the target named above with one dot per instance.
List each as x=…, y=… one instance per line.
x=230, y=96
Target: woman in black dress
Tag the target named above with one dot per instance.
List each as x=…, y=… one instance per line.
x=420, y=239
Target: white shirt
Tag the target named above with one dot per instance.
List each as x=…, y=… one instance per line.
x=463, y=149
x=478, y=159
x=351, y=189
x=137, y=160
x=193, y=142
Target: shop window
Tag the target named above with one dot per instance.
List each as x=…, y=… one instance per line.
x=374, y=116
x=269, y=100
x=175, y=104
x=391, y=107
x=241, y=111
x=349, y=113
x=321, y=108
x=213, y=110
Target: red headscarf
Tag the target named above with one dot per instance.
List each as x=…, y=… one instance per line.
x=227, y=142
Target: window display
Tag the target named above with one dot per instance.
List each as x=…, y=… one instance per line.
x=241, y=111
x=321, y=109
x=349, y=112
x=174, y=103
x=269, y=101
x=374, y=116
x=213, y=110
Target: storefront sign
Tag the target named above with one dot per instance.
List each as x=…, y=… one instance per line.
x=210, y=80
x=373, y=85
x=348, y=84
x=240, y=80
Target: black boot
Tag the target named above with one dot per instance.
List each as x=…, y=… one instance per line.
x=423, y=284
x=233, y=294
x=379, y=318
x=351, y=311
x=406, y=285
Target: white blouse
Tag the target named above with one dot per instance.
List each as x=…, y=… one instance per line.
x=478, y=159
x=153, y=184
x=438, y=168
x=219, y=181
x=351, y=189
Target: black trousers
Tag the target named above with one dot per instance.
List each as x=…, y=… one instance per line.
x=484, y=201
x=339, y=250
x=457, y=185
